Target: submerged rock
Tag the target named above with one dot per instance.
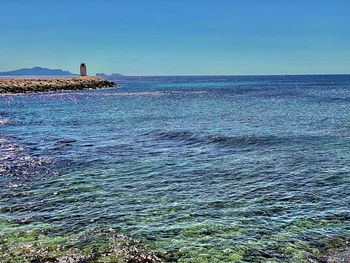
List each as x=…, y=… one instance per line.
x=11, y=86
x=90, y=246
x=334, y=255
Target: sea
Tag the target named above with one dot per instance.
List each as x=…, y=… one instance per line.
x=181, y=168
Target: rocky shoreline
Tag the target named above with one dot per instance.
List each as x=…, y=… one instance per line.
x=18, y=85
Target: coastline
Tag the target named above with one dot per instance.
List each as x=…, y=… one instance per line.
x=36, y=85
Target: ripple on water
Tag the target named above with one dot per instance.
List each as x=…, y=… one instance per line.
x=256, y=171
x=17, y=161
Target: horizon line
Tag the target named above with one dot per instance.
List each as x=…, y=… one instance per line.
x=223, y=75
x=189, y=75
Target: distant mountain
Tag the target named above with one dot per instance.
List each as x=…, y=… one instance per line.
x=101, y=75
x=111, y=75
x=37, y=71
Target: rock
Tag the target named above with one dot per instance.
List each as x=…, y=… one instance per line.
x=334, y=255
x=11, y=86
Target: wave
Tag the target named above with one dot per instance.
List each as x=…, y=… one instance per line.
x=248, y=140
x=183, y=137
x=188, y=137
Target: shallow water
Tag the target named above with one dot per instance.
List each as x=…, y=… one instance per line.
x=199, y=169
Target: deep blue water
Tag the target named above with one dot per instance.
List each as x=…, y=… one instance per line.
x=206, y=169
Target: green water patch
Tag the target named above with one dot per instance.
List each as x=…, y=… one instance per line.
x=251, y=241
x=262, y=240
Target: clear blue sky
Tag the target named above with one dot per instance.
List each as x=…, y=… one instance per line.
x=177, y=37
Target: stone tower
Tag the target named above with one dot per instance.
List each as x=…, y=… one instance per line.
x=82, y=69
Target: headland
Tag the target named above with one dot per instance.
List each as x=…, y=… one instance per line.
x=35, y=85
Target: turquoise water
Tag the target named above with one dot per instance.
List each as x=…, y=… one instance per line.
x=196, y=169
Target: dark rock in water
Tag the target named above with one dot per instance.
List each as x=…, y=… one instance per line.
x=66, y=141
x=335, y=255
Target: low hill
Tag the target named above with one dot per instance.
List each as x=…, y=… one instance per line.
x=37, y=71
x=111, y=75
